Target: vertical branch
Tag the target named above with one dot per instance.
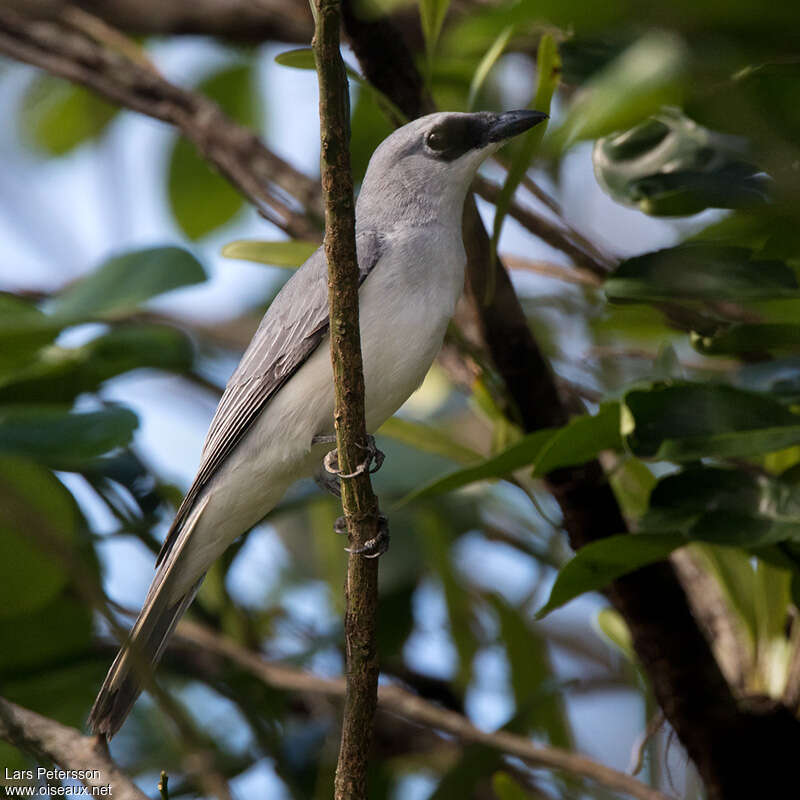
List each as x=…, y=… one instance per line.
x=358, y=501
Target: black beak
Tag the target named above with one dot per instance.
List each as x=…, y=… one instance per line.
x=512, y=123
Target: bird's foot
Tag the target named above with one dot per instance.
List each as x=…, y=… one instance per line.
x=372, y=548
x=372, y=463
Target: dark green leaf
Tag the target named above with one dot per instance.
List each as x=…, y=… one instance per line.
x=202, y=200
x=506, y=788
x=62, y=374
x=125, y=281
x=427, y=439
x=688, y=421
x=57, y=116
x=750, y=338
x=63, y=439
x=646, y=76
x=35, y=511
x=599, y=563
x=700, y=272
x=545, y=450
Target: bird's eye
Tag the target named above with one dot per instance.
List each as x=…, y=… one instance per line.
x=435, y=140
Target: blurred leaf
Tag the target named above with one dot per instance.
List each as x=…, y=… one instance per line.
x=303, y=58
x=486, y=64
x=474, y=766
x=64, y=439
x=780, y=378
x=646, y=76
x=57, y=116
x=289, y=253
x=670, y=165
x=123, y=282
x=632, y=482
x=202, y=200
x=548, y=69
x=700, y=272
x=687, y=421
x=45, y=636
x=577, y=442
x=613, y=626
x=749, y=338
x=434, y=535
x=506, y=788
x=35, y=509
x=431, y=15
x=599, y=563
x=60, y=374
x=369, y=126
x=427, y=439
x=537, y=697
x=24, y=329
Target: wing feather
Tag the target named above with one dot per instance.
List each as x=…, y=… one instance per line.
x=295, y=323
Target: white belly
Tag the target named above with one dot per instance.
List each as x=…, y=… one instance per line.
x=405, y=306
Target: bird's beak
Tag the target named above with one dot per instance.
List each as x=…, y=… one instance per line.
x=511, y=123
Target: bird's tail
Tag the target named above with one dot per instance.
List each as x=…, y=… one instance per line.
x=137, y=658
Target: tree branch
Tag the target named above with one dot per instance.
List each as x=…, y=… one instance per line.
x=358, y=501
x=235, y=151
x=51, y=741
x=396, y=700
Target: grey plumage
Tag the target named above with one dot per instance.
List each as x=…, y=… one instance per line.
x=280, y=398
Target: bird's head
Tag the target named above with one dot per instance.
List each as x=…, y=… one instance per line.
x=425, y=168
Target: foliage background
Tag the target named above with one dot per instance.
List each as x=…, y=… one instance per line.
x=121, y=322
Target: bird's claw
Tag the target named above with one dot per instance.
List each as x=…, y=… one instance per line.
x=375, y=547
x=372, y=463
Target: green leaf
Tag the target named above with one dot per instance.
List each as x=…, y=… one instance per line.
x=303, y=58
x=59, y=374
x=506, y=788
x=35, y=509
x=646, y=76
x=427, y=439
x=23, y=331
x=756, y=337
x=613, y=626
x=125, y=281
x=545, y=450
x=202, y=200
x=431, y=15
x=548, y=69
x=538, y=700
x=688, y=421
x=486, y=64
x=700, y=272
x=670, y=165
x=291, y=253
x=64, y=439
x=599, y=563
x=57, y=116
x=725, y=506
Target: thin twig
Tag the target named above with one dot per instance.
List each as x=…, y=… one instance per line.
x=358, y=501
x=51, y=741
x=394, y=699
x=236, y=152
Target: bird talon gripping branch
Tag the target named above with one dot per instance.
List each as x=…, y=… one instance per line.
x=372, y=463
x=377, y=546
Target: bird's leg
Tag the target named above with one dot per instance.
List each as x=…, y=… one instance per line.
x=329, y=478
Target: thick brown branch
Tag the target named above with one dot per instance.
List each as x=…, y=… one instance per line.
x=236, y=152
x=51, y=741
x=358, y=501
x=397, y=700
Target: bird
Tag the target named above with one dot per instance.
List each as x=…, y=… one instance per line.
x=276, y=412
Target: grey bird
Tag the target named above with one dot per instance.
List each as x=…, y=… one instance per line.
x=278, y=404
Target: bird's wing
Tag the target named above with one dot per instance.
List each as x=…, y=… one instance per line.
x=292, y=328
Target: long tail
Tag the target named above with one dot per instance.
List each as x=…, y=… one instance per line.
x=138, y=657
